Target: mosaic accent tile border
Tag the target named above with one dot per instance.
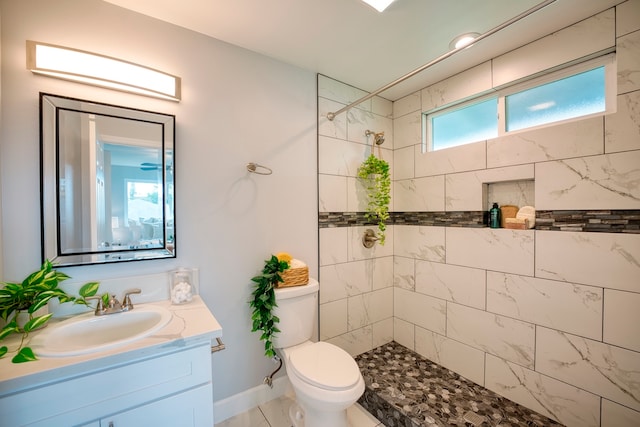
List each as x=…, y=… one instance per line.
x=611, y=221
x=604, y=221
x=404, y=389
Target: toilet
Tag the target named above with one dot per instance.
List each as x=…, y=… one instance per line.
x=325, y=378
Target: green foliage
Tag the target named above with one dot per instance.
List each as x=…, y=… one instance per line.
x=374, y=174
x=264, y=301
x=29, y=296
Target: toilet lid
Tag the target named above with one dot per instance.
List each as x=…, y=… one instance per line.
x=325, y=365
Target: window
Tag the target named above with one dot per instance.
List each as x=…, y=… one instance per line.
x=577, y=92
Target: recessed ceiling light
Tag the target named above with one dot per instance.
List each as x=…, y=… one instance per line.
x=463, y=40
x=379, y=5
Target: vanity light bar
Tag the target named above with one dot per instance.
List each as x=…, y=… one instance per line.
x=98, y=70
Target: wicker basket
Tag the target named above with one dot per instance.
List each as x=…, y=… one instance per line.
x=297, y=276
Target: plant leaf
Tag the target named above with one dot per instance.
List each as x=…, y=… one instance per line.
x=3, y=350
x=89, y=289
x=37, y=322
x=24, y=355
x=11, y=327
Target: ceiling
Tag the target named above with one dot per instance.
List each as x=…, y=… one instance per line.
x=353, y=43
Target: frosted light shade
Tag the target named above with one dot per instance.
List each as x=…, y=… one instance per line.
x=98, y=70
x=379, y=5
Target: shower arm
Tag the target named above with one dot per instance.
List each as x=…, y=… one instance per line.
x=332, y=115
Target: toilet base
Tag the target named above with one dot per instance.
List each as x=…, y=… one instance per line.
x=309, y=418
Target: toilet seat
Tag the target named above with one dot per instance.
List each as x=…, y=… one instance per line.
x=325, y=366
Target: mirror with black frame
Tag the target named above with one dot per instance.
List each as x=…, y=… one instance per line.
x=107, y=182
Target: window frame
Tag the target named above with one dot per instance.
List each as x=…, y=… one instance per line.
x=610, y=82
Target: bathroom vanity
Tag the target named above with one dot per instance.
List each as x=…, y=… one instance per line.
x=163, y=379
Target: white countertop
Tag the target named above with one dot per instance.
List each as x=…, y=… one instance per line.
x=190, y=323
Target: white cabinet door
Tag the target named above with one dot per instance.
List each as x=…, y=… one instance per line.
x=191, y=408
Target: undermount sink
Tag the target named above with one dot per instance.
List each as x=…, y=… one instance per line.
x=88, y=333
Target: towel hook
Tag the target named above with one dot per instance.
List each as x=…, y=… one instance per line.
x=259, y=169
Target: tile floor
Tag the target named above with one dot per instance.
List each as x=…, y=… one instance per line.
x=275, y=413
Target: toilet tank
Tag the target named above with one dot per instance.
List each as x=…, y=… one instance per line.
x=298, y=311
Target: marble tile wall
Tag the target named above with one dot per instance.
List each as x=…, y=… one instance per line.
x=546, y=318
x=356, y=283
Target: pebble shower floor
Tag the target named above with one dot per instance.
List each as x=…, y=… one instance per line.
x=404, y=389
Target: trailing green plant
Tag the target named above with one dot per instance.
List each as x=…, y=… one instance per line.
x=29, y=296
x=374, y=174
x=264, y=301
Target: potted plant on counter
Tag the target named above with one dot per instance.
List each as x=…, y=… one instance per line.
x=20, y=305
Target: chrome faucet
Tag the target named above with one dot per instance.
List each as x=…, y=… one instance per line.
x=113, y=305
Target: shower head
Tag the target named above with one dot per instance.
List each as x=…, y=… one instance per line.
x=378, y=137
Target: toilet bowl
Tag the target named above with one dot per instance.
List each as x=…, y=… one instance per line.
x=326, y=381
x=325, y=378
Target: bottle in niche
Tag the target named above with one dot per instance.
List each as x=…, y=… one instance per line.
x=494, y=216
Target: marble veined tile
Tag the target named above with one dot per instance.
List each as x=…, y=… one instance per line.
x=606, y=370
x=468, y=83
x=616, y=415
x=419, y=194
x=501, y=336
x=627, y=18
x=355, y=278
x=558, y=305
x=355, y=342
x=339, y=157
x=403, y=332
x=573, y=139
x=581, y=39
x=460, y=358
x=341, y=92
x=409, y=104
x=407, y=130
x=622, y=129
x=357, y=251
x=333, y=319
x=609, y=260
x=598, y=182
x=382, y=331
x=403, y=163
x=569, y=405
x=359, y=121
x=463, y=158
x=404, y=273
x=421, y=310
x=509, y=251
x=463, y=285
x=336, y=128
x=464, y=191
x=332, y=193
x=333, y=245
x=369, y=308
x=420, y=242
x=628, y=59
x=621, y=319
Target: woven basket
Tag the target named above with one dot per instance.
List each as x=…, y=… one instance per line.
x=294, y=277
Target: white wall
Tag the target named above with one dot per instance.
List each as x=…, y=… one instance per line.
x=237, y=107
x=546, y=318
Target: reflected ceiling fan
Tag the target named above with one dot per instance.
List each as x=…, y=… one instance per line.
x=147, y=166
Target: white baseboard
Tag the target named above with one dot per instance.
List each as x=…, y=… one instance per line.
x=248, y=399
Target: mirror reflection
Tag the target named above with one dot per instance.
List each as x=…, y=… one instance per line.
x=107, y=182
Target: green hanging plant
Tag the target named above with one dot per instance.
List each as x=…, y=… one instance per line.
x=374, y=174
x=264, y=301
x=28, y=297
